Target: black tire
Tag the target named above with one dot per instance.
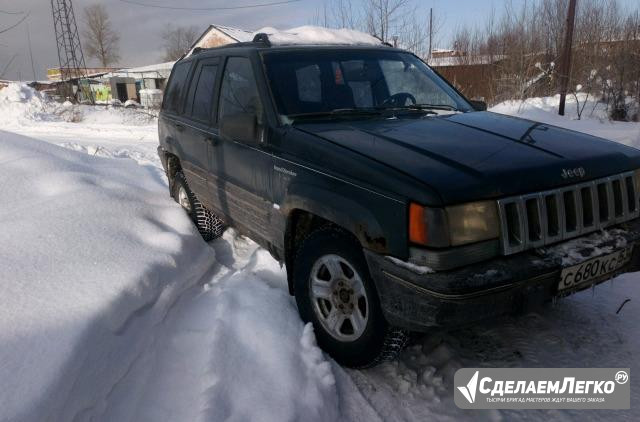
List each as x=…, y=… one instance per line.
x=209, y=225
x=379, y=341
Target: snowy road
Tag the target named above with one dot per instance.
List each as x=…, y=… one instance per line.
x=223, y=341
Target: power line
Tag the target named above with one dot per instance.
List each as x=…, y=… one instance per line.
x=248, y=6
x=8, y=64
x=11, y=13
x=13, y=26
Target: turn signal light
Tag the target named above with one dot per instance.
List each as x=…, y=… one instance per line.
x=417, y=224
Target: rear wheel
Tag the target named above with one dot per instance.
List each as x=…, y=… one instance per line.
x=334, y=291
x=209, y=225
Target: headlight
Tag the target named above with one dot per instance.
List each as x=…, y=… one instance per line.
x=455, y=225
x=473, y=222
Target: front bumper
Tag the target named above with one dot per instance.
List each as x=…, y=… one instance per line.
x=501, y=286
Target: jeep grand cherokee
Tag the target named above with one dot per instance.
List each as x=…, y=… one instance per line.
x=395, y=203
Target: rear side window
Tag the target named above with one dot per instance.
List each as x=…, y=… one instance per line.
x=239, y=93
x=200, y=99
x=175, y=91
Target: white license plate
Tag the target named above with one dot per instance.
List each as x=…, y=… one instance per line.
x=596, y=269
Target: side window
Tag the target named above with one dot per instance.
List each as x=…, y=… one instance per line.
x=201, y=98
x=175, y=91
x=239, y=93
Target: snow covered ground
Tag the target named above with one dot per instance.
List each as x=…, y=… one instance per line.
x=114, y=309
x=103, y=131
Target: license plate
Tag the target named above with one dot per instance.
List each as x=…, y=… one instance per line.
x=592, y=270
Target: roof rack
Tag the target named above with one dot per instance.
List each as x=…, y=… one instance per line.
x=262, y=38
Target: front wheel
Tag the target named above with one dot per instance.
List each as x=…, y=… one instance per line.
x=209, y=225
x=334, y=291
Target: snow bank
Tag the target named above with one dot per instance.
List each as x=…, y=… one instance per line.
x=113, y=308
x=594, y=119
x=19, y=102
x=232, y=350
x=305, y=35
x=93, y=255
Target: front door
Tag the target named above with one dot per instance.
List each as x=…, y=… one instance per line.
x=240, y=182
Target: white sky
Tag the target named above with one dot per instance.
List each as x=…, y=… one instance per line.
x=140, y=27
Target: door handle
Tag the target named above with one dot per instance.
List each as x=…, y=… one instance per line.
x=179, y=127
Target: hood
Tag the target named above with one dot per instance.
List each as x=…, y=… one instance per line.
x=480, y=155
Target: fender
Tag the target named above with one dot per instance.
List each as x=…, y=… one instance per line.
x=345, y=212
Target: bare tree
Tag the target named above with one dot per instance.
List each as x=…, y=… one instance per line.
x=100, y=40
x=401, y=22
x=178, y=40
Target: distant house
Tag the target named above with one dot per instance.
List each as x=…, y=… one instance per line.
x=218, y=35
x=125, y=84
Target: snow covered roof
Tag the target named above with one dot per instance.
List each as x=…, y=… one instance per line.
x=240, y=35
x=151, y=68
x=307, y=35
x=463, y=60
x=159, y=70
x=217, y=35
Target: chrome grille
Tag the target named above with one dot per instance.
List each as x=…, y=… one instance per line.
x=534, y=220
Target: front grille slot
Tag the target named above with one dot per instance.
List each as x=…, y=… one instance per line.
x=617, y=199
x=570, y=211
x=514, y=236
x=603, y=202
x=631, y=195
x=587, y=206
x=553, y=214
x=539, y=219
x=533, y=220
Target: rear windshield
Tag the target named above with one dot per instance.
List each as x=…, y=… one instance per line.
x=322, y=81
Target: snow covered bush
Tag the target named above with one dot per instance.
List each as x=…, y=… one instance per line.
x=68, y=112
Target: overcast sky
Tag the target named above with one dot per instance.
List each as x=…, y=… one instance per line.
x=140, y=27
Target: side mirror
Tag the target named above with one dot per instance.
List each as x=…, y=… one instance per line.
x=241, y=127
x=478, y=105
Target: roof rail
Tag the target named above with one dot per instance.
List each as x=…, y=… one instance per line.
x=262, y=38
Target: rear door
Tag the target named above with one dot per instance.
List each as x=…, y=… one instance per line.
x=195, y=126
x=170, y=126
x=240, y=179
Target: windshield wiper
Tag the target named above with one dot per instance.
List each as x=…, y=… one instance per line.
x=338, y=112
x=432, y=107
x=406, y=108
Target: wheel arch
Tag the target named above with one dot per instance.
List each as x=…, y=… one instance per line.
x=304, y=215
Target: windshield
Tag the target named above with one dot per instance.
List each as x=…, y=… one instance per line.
x=323, y=81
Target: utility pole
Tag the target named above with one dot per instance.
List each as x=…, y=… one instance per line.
x=72, y=65
x=565, y=64
x=430, y=32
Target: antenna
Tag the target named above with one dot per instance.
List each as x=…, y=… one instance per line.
x=70, y=57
